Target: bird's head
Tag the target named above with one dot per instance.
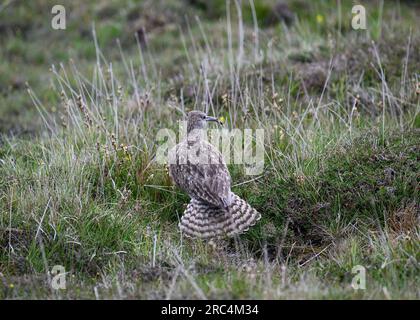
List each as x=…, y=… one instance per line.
x=198, y=120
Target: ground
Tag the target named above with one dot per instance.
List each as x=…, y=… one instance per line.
x=79, y=114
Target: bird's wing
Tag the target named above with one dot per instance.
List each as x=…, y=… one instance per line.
x=209, y=181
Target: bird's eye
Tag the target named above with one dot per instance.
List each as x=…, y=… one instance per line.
x=203, y=116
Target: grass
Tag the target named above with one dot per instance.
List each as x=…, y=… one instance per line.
x=339, y=108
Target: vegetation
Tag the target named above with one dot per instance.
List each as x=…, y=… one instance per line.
x=80, y=110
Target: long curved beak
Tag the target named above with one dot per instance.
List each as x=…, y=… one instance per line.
x=214, y=119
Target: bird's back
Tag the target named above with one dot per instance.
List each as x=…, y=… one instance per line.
x=198, y=168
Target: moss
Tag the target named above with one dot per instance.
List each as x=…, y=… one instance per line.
x=361, y=181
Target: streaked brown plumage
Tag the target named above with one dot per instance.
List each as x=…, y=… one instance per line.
x=198, y=168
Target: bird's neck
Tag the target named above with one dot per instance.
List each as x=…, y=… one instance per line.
x=195, y=135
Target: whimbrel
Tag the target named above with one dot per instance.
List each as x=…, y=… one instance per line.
x=198, y=168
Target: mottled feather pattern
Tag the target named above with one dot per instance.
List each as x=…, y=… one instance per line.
x=198, y=168
x=209, y=181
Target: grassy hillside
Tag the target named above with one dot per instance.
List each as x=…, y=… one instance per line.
x=80, y=110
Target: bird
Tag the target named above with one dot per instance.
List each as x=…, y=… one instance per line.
x=198, y=168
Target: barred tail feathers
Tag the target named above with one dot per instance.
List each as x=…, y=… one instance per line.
x=201, y=220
